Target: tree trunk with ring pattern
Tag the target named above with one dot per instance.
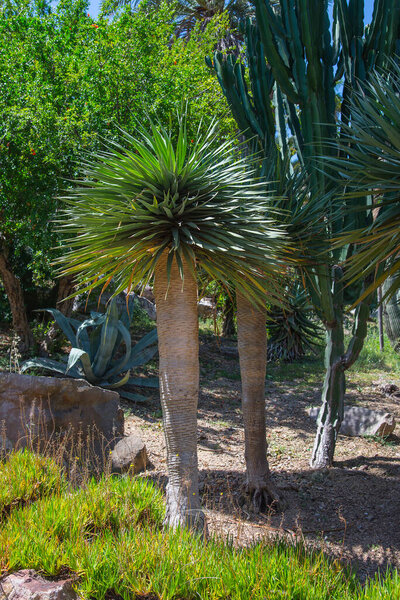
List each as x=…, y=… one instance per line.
x=177, y=326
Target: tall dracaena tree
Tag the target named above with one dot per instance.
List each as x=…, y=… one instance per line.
x=162, y=207
x=284, y=96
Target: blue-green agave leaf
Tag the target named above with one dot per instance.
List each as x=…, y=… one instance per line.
x=147, y=340
x=140, y=358
x=50, y=365
x=151, y=382
x=64, y=323
x=120, y=365
x=134, y=397
x=116, y=384
x=109, y=334
x=77, y=354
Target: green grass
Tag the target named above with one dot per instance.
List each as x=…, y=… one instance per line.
x=26, y=477
x=372, y=359
x=311, y=369
x=109, y=532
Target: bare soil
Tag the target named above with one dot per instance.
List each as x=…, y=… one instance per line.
x=350, y=511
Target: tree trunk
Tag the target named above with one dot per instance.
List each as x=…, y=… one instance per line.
x=380, y=320
x=15, y=297
x=65, y=288
x=337, y=361
x=331, y=414
x=177, y=326
x=228, y=327
x=252, y=345
x=391, y=310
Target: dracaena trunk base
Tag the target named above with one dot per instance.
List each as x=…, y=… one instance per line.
x=177, y=326
x=252, y=345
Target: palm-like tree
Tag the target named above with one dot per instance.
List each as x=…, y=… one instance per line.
x=193, y=12
x=155, y=207
x=372, y=166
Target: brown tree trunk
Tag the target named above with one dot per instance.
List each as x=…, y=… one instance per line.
x=228, y=327
x=252, y=345
x=15, y=297
x=65, y=288
x=178, y=344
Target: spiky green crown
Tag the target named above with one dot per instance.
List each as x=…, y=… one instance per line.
x=192, y=198
x=370, y=176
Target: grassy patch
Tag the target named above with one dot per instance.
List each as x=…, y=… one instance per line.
x=25, y=477
x=109, y=532
x=372, y=359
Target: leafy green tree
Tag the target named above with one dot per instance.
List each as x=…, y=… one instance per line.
x=66, y=83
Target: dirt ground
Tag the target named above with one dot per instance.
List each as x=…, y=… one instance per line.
x=351, y=511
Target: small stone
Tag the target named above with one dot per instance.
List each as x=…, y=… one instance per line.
x=129, y=454
x=388, y=388
x=29, y=585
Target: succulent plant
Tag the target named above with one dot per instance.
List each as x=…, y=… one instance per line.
x=292, y=330
x=102, y=351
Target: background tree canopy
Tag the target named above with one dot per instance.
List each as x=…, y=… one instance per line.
x=66, y=82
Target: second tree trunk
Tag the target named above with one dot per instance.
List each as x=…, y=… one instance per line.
x=252, y=345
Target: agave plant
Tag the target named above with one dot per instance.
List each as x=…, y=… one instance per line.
x=102, y=351
x=162, y=205
x=292, y=329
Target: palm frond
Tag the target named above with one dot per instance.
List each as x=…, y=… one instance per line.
x=370, y=168
x=194, y=199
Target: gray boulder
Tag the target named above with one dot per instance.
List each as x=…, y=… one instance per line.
x=38, y=410
x=129, y=454
x=363, y=421
x=28, y=585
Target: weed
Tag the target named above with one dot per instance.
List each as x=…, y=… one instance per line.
x=381, y=440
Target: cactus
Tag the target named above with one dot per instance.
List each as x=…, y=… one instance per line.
x=294, y=59
x=392, y=315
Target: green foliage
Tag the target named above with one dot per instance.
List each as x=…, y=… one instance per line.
x=189, y=197
x=293, y=330
x=66, y=82
x=26, y=477
x=109, y=533
x=97, y=344
x=371, y=358
x=295, y=59
x=372, y=167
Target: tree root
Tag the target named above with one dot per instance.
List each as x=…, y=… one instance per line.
x=264, y=497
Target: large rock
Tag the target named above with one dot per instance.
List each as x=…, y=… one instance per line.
x=28, y=585
x=38, y=410
x=129, y=454
x=363, y=421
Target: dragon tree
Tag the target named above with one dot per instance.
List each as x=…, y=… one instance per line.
x=165, y=206
x=291, y=99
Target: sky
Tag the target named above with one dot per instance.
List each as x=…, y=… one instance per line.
x=95, y=4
